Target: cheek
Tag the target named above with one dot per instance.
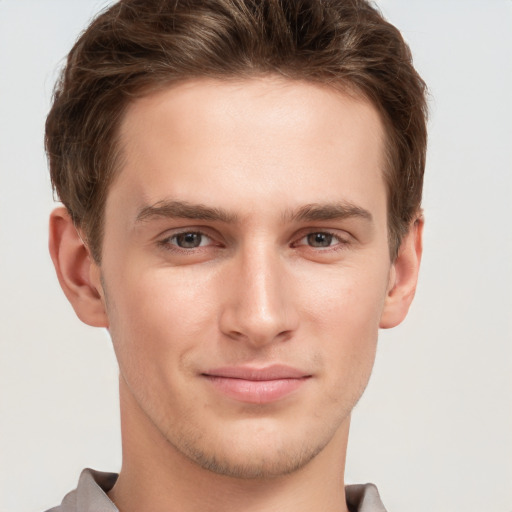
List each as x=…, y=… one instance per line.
x=345, y=297
x=343, y=314
x=158, y=312
x=155, y=323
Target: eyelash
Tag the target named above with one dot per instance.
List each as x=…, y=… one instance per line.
x=340, y=245
x=167, y=243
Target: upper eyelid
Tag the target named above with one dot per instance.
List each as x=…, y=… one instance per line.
x=170, y=233
x=188, y=231
x=338, y=234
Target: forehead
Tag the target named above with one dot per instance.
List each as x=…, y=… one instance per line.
x=248, y=143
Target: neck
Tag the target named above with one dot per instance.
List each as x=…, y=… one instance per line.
x=157, y=477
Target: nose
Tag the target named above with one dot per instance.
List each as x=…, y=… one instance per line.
x=258, y=304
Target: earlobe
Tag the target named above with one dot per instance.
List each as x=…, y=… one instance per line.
x=403, y=277
x=78, y=274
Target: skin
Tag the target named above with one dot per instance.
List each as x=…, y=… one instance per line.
x=281, y=185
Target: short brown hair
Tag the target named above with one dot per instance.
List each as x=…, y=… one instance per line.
x=136, y=46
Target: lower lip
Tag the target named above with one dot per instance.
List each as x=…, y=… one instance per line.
x=256, y=391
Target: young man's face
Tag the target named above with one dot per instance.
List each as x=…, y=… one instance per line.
x=245, y=268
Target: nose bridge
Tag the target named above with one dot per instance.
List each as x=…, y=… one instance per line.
x=264, y=282
x=260, y=308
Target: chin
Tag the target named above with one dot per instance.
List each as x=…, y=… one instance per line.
x=255, y=456
x=254, y=466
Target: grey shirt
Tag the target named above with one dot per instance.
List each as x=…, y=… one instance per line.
x=91, y=495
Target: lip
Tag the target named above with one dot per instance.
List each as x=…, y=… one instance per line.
x=256, y=385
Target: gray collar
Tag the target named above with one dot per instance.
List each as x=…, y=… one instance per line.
x=91, y=495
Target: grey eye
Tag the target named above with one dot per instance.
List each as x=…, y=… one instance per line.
x=319, y=239
x=188, y=240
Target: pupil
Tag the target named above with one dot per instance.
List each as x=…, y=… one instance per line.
x=320, y=239
x=189, y=240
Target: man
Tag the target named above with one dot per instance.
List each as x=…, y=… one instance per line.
x=242, y=185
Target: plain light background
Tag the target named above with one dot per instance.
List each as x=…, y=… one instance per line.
x=434, y=430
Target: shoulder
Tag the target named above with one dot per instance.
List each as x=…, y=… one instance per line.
x=90, y=494
x=363, y=498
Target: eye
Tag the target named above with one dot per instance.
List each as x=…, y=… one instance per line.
x=188, y=240
x=321, y=240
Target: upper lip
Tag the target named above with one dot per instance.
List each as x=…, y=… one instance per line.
x=273, y=372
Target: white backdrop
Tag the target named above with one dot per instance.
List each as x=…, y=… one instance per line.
x=434, y=430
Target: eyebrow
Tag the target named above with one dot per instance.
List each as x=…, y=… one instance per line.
x=184, y=210
x=331, y=211
x=307, y=213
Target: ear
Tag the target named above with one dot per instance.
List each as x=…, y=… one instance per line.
x=403, y=277
x=79, y=275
